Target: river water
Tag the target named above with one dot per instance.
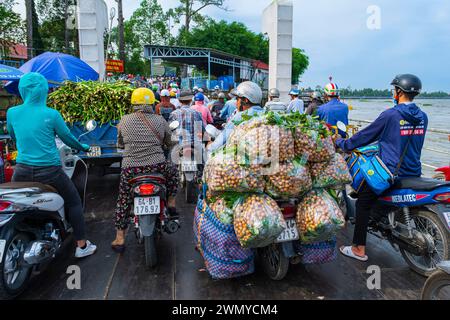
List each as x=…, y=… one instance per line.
x=438, y=112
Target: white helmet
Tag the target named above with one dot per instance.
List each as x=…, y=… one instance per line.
x=216, y=88
x=201, y=90
x=251, y=91
x=195, y=88
x=165, y=93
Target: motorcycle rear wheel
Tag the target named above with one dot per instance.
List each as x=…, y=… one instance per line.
x=426, y=220
x=151, y=257
x=433, y=287
x=12, y=284
x=275, y=264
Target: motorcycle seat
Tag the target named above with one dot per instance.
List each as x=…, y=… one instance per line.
x=419, y=184
x=24, y=185
x=158, y=177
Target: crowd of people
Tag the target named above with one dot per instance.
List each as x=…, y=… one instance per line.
x=145, y=136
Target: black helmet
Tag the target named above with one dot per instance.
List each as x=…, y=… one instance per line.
x=408, y=83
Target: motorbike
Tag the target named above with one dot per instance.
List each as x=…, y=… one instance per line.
x=151, y=217
x=33, y=226
x=277, y=257
x=414, y=216
x=437, y=286
x=190, y=166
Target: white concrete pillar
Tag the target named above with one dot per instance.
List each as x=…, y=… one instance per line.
x=92, y=23
x=278, y=24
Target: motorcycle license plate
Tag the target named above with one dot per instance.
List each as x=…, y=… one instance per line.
x=189, y=166
x=2, y=249
x=147, y=206
x=290, y=233
x=95, y=151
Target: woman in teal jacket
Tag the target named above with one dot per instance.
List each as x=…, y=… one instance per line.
x=34, y=127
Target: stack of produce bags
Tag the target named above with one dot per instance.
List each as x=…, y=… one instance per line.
x=272, y=157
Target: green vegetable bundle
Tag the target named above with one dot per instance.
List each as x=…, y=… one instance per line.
x=100, y=101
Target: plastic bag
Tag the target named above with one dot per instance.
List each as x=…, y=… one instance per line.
x=258, y=221
x=223, y=207
x=224, y=173
x=334, y=174
x=309, y=142
x=266, y=144
x=240, y=130
x=291, y=180
x=318, y=217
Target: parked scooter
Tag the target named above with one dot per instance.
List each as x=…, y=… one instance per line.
x=33, y=226
x=414, y=216
x=437, y=286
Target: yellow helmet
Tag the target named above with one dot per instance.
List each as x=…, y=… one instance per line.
x=143, y=96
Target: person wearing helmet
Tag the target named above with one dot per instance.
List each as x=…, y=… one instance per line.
x=213, y=100
x=216, y=109
x=397, y=130
x=200, y=106
x=274, y=103
x=230, y=106
x=249, y=98
x=144, y=135
x=296, y=104
x=34, y=126
x=316, y=102
x=165, y=107
x=206, y=99
x=195, y=90
x=217, y=89
x=155, y=89
x=334, y=110
x=173, y=98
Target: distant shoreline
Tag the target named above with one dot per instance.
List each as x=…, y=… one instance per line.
x=385, y=98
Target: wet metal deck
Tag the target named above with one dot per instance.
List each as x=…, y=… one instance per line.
x=179, y=274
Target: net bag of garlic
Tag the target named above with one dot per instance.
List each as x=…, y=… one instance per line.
x=223, y=172
x=258, y=221
x=334, y=174
x=318, y=217
x=291, y=179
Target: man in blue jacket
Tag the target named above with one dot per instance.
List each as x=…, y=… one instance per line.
x=335, y=110
x=392, y=130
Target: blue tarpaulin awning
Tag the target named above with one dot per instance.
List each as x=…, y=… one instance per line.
x=8, y=73
x=56, y=68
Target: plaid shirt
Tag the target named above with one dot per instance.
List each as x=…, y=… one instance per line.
x=191, y=124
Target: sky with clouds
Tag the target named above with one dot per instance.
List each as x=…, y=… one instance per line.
x=414, y=37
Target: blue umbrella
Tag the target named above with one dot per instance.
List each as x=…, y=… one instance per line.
x=8, y=73
x=56, y=68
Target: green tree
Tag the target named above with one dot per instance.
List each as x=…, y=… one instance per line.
x=300, y=63
x=236, y=38
x=190, y=10
x=148, y=25
x=52, y=26
x=12, y=28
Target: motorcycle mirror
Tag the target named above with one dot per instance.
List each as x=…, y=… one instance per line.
x=174, y=125
x=341, y=126
x=212, y=131
x=91, y=125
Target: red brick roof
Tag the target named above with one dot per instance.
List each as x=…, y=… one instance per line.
x=260, y=65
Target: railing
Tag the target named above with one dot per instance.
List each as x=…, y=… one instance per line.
x=432, y=130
